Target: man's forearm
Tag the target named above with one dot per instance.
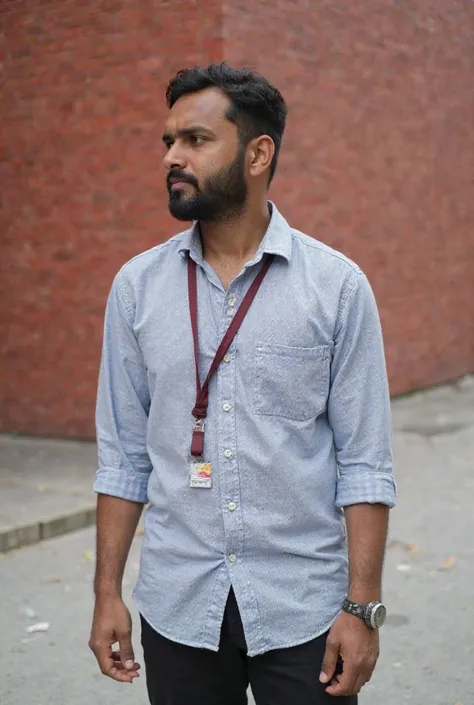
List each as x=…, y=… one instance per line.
x=117, y=521
x=367, y=526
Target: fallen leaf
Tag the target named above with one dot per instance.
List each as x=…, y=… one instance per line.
x=88, y=555
x=40, y=627
x=397, y=664
x=432, y=574
x=458, y=702
x=449, y=563
x=412, y=548
x=140, y=531
x=52, y=579
x=407, y=547
x=40, y=488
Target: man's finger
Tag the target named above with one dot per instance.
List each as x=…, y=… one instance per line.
x=359, y=684
x=119, y=665
x=127, y=656
x=104, y=656
x=331, y=655
x=108, y=666
x=345, y=682
x=121, y=675
x=118, y=661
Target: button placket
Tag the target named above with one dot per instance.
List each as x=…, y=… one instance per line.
x=230, y=302
x=229, y=478
x=229, y=475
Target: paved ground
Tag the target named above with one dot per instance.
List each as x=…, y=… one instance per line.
x=45, y=488
x=428, y=644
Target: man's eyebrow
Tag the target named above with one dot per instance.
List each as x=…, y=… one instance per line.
x=187, y=132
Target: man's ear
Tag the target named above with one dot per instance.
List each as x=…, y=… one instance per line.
x=260, y=153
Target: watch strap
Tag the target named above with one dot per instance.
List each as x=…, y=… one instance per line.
x=354, y=608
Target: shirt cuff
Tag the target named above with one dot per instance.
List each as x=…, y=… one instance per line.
x=366, y=488
x=118, y=483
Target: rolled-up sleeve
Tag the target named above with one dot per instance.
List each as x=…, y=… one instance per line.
x=123, y=403
x=359, y=401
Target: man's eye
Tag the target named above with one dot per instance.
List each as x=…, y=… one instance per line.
x=196, y=141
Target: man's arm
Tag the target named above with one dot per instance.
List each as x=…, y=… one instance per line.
x=360, y=417
x=117, y=521
x=367, y=526
x=350, y=638
x=121, y=481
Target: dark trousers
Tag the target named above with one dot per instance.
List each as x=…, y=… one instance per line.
x=183, y=675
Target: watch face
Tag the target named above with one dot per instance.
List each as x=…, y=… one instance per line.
x=377, y=616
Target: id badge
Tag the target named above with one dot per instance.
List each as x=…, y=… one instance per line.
x=200, y=473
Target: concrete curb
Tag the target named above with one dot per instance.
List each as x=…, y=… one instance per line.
x=19, y=536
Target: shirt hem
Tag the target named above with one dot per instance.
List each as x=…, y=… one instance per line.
x=167, y=635
x=215, y=647
x=297, y=642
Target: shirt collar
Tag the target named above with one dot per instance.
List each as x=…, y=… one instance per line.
x=276, y=241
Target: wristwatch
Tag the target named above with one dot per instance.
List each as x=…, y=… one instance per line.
x=373, y=614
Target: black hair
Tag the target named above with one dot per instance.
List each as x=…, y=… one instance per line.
x=257, y=108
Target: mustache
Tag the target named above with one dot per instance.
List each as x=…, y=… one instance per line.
x=176, y=175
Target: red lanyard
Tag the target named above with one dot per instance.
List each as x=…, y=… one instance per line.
x=202, y=393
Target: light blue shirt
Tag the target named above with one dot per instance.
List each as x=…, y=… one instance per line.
x=298, y=427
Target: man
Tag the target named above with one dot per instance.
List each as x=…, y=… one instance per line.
x=255, y=473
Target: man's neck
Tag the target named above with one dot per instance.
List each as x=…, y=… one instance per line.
x=236, y=240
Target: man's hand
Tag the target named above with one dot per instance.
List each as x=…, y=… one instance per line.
x=358, y=646
x=112, y=623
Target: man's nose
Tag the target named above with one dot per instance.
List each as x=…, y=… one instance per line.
x=175, y=157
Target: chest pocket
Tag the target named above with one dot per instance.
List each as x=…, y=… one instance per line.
x=291, y=382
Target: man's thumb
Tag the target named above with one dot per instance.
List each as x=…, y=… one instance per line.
x=329, y=661
x=126, y=652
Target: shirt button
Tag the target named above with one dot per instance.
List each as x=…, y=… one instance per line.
x=227, y=358
x=230, y=311
x=228, y=453
x=227, y=406
x=232, y=558
x=232, y=506
x=231, y=300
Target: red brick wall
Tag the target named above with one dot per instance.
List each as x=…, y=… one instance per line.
x=81, y=183
x=377, y=162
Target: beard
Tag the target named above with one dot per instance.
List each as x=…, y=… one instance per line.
x=221, y=197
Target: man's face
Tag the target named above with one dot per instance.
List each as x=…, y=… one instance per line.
x=204, y=159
